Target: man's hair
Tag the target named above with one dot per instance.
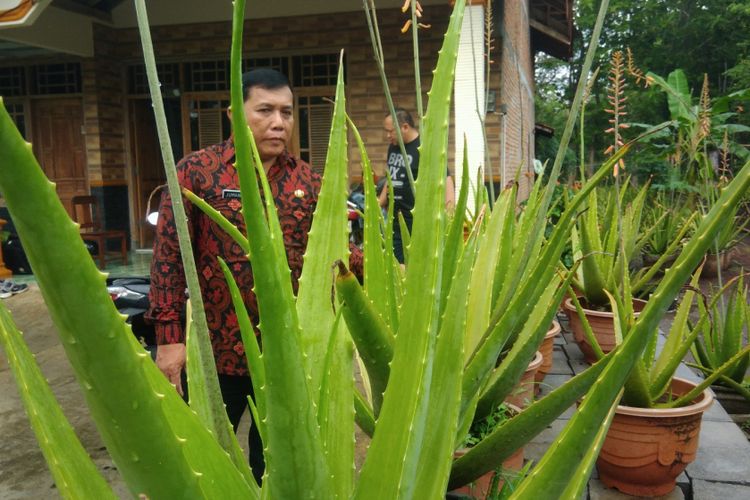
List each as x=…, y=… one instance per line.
x=265, y=78
x=403, y=116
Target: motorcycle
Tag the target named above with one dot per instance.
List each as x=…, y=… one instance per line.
x=130, y=296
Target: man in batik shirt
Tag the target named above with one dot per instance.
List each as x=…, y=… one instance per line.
x=211, y=175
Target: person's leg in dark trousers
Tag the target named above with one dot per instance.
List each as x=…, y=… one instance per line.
x=234, y=392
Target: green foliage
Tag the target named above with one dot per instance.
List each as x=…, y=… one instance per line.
x=721, y=337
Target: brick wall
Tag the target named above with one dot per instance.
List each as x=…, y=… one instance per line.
x=104, y=117
x=511, y=77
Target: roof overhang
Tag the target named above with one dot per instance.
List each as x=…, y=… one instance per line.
x=19, y=13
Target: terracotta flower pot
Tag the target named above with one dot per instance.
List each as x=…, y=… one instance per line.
x=546, y=349
x=715, y=262
x=602, y=324
x=481, y=487
x=646, y=449
x=522, y=394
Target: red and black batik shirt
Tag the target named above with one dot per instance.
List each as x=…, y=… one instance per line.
x=211, y=175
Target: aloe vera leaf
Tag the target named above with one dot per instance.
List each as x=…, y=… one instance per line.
x=327, y=243
x=522, y=428
x=594, y=273
x=556, y=466
x=370, y=333
x=377, y=286
x=716, y=374
x=395, y=449
x=643, y=280
x=675, y=338
x=480, y=301
x=363, y=414
x=502, y=283
x=75, y=474
x=405, y=237
x=206, y=400
x=209, y=406
x=250, y=341
x=506, y=319
x=587, y=331
x=580, y=478
x=218, y=218
x=454, y=242
x=153, y=426
x=505, y=377
x=293, y=440
x=443, y=415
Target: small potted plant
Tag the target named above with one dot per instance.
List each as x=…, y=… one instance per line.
x=654, y=433
x=721, y=339
x=490, y=484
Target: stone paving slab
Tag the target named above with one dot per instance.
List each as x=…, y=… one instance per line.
x=707, y=490
x=597, y=491
x=723, y=454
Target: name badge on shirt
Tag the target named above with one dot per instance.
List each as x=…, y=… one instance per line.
x=231, y=194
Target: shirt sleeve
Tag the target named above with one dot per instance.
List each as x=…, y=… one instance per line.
x=167, y=292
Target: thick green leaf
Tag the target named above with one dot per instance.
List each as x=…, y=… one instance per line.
x=75, y=474
x=293, y=440
x=142, y=420
x=394, y=453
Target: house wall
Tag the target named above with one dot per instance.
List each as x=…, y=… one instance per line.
x=329, y=33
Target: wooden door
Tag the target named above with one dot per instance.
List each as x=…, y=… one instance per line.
x=59, y=145
x=148, y=170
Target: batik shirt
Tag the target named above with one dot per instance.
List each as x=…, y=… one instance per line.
x=210, y=174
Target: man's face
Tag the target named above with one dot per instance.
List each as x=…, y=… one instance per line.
x=390, y=132
x=270, y=115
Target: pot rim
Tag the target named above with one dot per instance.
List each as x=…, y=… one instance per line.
x=705, y=400
x=568, y=304
x=536, y=362
x=553, y=330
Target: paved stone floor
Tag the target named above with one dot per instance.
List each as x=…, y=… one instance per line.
x=721, y=470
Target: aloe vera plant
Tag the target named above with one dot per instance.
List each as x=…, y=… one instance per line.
x=720, y=338
x=438, y=366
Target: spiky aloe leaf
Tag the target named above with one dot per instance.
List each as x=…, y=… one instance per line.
x=557, y=465
x=328, y=243
x=379, y=285
x=142, y=419
x=519, y=430
x=505, y=377
x=480, y=301
x=454, y=242
x=443, y=413
x=370, y=333
x=395, y=449
x=293, y=440
x=205, y=394
x=75, y=474
x=206, y=400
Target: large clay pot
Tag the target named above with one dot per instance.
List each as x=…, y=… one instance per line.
x=646, y=449
x=602, y=324
x=546, y=350
x=481, y=487
x=522, y=394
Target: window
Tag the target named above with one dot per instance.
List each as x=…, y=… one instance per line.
x=169, y=77
x=12, y=81
x=60, y=78
x=16, y=112
x=315, y=70
x=207, y=76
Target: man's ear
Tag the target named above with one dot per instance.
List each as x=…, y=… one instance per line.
x=229, y=113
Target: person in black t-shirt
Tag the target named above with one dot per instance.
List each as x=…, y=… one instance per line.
x=403, y=196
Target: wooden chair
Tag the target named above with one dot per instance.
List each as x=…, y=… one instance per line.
x=87, y=213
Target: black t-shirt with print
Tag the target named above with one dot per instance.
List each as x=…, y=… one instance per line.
x=403, y=197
